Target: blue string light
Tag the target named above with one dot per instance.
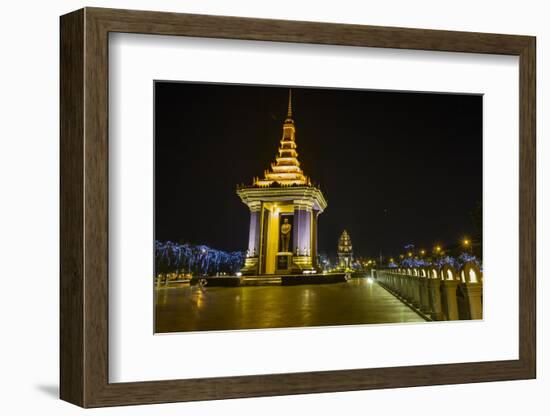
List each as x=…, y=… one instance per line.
x=195, y=259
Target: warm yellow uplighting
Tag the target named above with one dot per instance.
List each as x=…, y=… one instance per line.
x=466, y=242
x=437, y=249
x=286, y=170
x=409, y=254
x=422, y=252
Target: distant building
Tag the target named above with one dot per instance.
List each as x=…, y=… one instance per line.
x=345, y=251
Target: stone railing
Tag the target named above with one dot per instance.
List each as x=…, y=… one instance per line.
x=440, y=294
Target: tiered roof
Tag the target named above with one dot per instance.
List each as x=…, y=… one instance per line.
x=344, y=243
x=285, y=171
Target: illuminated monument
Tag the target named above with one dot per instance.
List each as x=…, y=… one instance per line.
x=345, y=251
x=284, y=208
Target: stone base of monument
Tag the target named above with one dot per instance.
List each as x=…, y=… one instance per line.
x=283, y=263
x=265, y=280
x=250, y=266
x=270, y=280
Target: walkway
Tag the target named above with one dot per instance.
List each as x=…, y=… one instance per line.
x=358, y=301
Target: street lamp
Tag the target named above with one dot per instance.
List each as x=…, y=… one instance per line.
x=467, y=244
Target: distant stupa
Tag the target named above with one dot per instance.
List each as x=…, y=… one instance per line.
x=345, y=251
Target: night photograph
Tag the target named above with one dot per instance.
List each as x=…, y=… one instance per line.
x=284, y=206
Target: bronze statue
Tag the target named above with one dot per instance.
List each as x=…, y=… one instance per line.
x=285, y=235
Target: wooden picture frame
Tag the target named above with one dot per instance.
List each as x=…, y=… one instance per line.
x=84, y=207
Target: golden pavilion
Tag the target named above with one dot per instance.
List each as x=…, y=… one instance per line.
x=284, y=208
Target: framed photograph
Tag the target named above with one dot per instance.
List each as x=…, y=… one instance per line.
x=257, y=207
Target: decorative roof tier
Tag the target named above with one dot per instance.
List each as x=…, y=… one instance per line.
x=285, y=171
x=285, y=181
x=344, y=243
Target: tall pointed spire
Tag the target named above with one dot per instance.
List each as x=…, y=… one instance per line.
x=289, y=112
x=286, y=170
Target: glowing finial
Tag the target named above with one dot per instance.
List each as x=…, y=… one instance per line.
x=289, y=113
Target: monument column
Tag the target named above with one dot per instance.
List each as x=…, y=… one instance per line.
x=302, y=234
x=314, y=216
x=253, y=251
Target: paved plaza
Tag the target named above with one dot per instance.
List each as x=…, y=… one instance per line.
x=359, y=301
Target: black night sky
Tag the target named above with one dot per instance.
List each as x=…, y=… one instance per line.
x=395, y=167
